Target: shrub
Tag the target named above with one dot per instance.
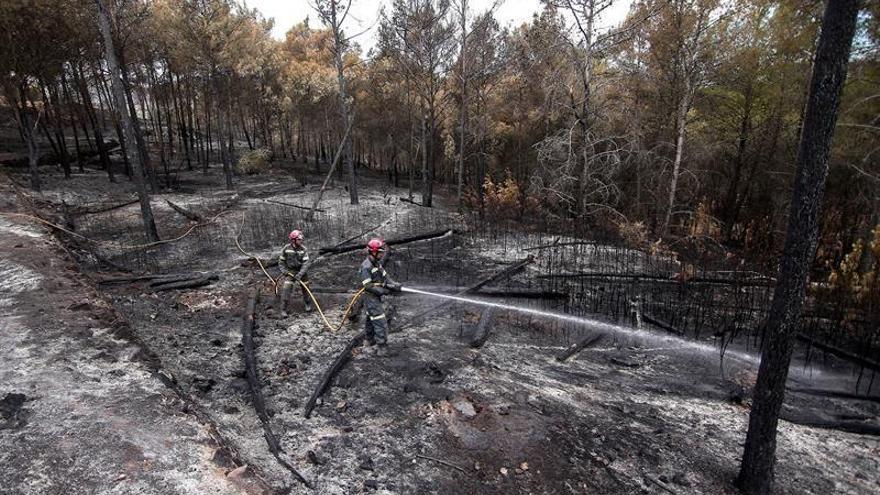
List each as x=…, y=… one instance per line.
x=254, y=162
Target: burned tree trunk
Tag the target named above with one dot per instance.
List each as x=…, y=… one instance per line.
x=579, y=346
x=829, y=73
x=329, y=174
x=250, y=364
x=128, y=127
x=195, y=217
x=481, y=333
x=391, y=242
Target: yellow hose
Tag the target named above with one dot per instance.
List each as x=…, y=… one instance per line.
x=321, y=312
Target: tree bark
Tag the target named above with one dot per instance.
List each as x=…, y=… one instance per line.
x=128, y=128
x=344, y=110
x=829, y=73
x=464, y=103
x=683, y=108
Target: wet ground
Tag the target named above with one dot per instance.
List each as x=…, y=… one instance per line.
x=631, y=414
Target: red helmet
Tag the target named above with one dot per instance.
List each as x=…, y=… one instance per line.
x=375, y=245
x=296, y=235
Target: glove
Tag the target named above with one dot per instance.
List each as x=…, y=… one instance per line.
x=378, y=291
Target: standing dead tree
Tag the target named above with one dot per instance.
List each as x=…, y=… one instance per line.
x=829, y=73
x=333, y=14
x=121, y=106
x=575, y=175
x=311, y=214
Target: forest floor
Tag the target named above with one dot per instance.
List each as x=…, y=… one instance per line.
x=126, y=390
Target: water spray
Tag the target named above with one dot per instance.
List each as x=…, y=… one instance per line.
x=592, y=323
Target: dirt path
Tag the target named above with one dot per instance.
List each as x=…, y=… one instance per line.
x=81, y=410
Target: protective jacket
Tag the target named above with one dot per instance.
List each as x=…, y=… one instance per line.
x=376, y=283
x=294, y=261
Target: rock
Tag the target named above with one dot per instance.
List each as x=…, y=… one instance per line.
x=316, y=458
x=371, y=484
x=663, y=478
x=237, y=472
x=503, y=471
x=11, y=411
x=203, y=385
x=80, y=306
x=367, y=465
x=230, y=410
x=625, y=363
x=464, y=407
x=681, y=479
x=341, y=405
x=518, y=471
x=503, y=409
x=240, y=385
x=524, y=466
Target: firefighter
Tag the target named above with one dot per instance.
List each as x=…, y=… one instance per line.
x=294, y=263
x=377, y=284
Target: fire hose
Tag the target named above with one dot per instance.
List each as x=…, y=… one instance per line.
x=321, y=312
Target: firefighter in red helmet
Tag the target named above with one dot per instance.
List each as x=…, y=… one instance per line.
x=377, y=284
x=294, y=263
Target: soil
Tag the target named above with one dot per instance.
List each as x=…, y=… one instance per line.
x=113, y=388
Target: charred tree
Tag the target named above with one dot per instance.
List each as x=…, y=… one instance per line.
x=333, y=14
x=128, y=128
x=253, y=379
x=829, y=73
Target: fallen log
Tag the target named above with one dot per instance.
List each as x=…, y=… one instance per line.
x=341, y=360
x=407, y=200
x=102, y=208
x=282, y=203
x=343, y=357
x=357, y=236
x=835, y=394
x=579, y=346
x=481, y=333
x=561, y=244
x=661, y=324
x=180, y=277
x=250, y=365
x=670, y=279
x=842, y=354
x=847, y=425
x=500, y=293
x=391, y=242
x=185, y=284
x=159, y=278
x=195, y=217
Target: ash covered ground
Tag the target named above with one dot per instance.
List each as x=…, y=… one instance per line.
x=114, y=388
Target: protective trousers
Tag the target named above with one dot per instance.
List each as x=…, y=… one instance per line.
x=376, y=324
x=287, y=287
